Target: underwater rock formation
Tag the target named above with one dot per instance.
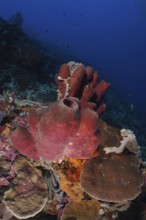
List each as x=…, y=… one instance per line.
x=16, y=20
x=17, y=49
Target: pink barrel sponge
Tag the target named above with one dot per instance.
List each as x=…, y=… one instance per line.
x=61, y=130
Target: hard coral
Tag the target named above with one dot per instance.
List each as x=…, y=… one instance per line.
x=76, y=80
x=84, y=210
x=28, y=193
x=112, y=177
x=61, y=130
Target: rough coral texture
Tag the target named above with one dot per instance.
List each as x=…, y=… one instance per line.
x=61, y=130
x=83, y=210
x=28, y=193
x=112, y=177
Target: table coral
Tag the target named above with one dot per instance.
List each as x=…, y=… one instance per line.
x=104, y=181
x=28, y=193
x=83, y=210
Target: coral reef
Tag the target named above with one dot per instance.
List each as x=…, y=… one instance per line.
x=24, y=52
x=62, y=156
x=62, y=160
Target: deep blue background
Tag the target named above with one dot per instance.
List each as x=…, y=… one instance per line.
x=109, y=35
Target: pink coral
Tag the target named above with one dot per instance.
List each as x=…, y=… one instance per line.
x=61, y=130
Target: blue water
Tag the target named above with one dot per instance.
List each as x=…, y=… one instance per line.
x=109, y=35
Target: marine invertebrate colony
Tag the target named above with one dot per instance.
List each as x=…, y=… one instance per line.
x=76, y=80
x=61, y=130
x=68, y=154
x=27, y=187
